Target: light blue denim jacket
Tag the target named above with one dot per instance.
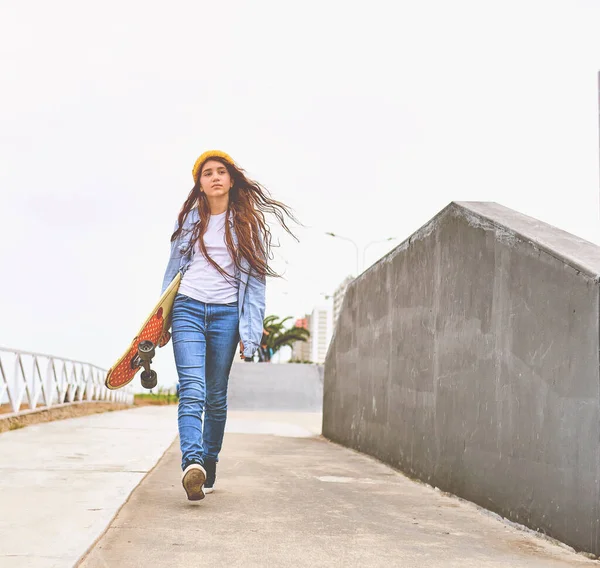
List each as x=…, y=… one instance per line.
x=251, y=293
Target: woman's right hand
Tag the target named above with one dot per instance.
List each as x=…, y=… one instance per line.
x=164, y=339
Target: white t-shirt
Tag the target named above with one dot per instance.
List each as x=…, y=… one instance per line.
x=202, y=281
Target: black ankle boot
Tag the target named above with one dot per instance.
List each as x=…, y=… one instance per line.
x=211, y=475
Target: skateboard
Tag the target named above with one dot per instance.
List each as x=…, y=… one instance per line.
x=154, y=332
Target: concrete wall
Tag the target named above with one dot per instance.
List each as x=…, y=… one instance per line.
x=279, y=387
x=468, y=358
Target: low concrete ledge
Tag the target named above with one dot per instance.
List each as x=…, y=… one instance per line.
x=276, y=387
x=468, y=357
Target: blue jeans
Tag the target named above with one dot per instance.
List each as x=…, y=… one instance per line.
x=205, y=338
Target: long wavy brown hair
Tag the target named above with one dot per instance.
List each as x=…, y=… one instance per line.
x=248, y=203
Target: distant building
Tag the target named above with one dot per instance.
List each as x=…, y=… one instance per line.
x=338, y=297
x=321, y=331
x=320, y=325
x=301, y=350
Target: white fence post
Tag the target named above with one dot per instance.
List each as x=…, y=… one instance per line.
x=64, y=382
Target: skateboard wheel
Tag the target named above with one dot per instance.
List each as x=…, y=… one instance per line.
x=146, y=350
x=149, y=379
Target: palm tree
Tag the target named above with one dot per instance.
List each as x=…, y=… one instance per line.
x=275, y=336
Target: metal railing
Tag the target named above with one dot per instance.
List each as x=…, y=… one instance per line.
x=33, y=381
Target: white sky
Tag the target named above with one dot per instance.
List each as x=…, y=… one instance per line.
x=366, y=118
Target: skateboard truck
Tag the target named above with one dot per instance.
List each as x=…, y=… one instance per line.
x=146, y=350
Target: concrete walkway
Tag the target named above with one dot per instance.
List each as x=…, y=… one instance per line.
x=287, y=497
x=61, y=483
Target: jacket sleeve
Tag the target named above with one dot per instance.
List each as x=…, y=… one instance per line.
x=255, y=310
x=174, y=262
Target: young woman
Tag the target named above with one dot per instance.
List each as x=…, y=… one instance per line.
x=220, y=246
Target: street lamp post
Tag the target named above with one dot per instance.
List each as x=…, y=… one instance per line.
x=355, y=246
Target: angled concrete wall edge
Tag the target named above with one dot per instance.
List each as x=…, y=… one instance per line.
x=493, y=216
x=571, y=249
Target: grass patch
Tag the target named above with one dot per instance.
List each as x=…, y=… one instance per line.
x=159, y=399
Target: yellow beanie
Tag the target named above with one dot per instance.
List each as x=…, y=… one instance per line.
x=206, y=156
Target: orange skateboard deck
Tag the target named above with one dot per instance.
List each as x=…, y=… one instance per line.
x=153, y=333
